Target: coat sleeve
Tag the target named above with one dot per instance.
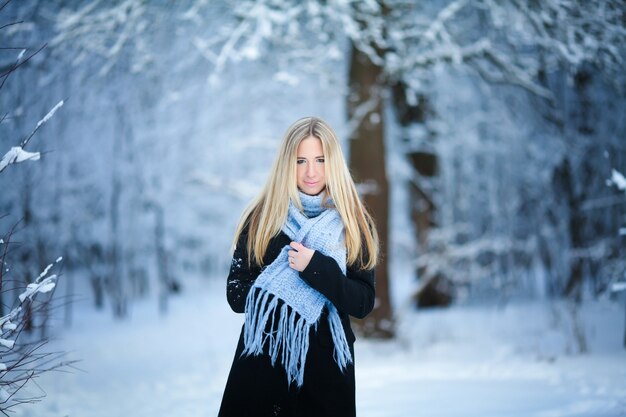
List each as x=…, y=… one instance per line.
x=353, y=293
x=241, y=275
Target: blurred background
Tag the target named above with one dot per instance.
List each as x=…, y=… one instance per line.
x=487, y=137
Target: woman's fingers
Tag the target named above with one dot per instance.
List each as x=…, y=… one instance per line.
x=297, y=246
x=299, y=256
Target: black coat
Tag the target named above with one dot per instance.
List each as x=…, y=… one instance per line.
x=255, y=388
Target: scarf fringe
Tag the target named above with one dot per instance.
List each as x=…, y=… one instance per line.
x=290, y=340
x=341, y=353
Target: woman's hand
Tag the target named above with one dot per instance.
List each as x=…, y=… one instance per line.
x=299, y=256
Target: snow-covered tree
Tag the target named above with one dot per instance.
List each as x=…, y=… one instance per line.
x=487, y=110
x=394, y=47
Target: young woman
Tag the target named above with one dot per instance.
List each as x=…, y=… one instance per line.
x=304, y=259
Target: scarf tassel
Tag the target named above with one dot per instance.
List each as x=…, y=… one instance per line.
x=341, y=352
x=290, y=340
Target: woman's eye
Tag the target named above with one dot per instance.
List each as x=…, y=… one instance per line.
x=301, y=161
x=320, y=160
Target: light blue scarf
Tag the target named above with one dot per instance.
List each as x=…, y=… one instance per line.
x=317, y=228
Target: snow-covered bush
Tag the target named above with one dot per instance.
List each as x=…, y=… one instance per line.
x=21, y=358
x=20, y=353
x=23, y=305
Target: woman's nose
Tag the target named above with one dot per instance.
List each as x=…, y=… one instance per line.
x=310, y=171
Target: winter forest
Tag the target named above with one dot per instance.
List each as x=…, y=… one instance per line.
x=486, y=137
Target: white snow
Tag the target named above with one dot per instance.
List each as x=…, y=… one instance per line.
x=7, y=319
x=44, y=272
x=44, y=286
x=50, y=114
x=618, y=179
x=9, y=326
x=15, y=155
x=518, y=360
x=7, y=343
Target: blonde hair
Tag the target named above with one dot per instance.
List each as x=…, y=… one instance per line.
x=268, y=212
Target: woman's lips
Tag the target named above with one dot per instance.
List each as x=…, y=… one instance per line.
x=311, y=184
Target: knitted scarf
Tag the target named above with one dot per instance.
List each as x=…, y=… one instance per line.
x=317, y=228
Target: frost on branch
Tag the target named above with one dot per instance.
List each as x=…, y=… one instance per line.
x=16, y=155
x=46, y=285
x=50, y=114
x=105, y=30
x=42, y=285
x=21, y=361
x=503, y=42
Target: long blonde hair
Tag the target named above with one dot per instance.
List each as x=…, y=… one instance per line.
x=267, y=213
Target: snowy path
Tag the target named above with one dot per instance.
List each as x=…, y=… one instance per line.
x=177, y=366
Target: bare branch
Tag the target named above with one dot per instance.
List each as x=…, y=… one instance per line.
x=5, y=75
x=41, y=123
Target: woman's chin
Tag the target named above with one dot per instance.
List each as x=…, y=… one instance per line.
x=311, y=191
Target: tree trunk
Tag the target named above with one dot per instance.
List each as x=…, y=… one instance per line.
x=367, y=163
x=435, y=288
x=161, y=255
x=115, y=280
x=577, y=195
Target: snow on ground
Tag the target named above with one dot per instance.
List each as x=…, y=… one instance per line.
x=464, y=361
x=486, y=361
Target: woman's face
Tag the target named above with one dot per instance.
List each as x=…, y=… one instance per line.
x=310, y=160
